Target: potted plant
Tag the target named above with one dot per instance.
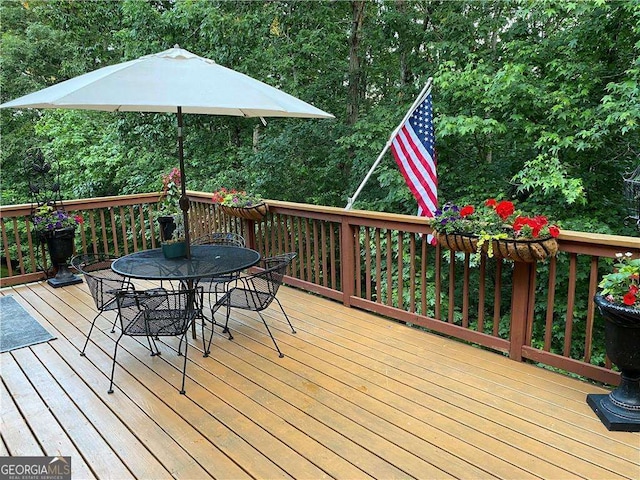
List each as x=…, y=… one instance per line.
x=176, y=245
x=56, y=228
x=497, y=229
x=239, y=203
x=619, y=303
x=169, y=204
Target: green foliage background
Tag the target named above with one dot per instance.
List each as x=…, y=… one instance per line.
x=535, y=100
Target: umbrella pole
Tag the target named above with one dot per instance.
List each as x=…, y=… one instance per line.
x=184, y=201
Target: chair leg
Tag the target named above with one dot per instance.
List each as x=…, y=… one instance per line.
x=86, y=342
x=113, y=327
x=184, y=365
x=285, y=314
x=113, y=367
x=151, y=339
x=226, y=323
x=280, y=354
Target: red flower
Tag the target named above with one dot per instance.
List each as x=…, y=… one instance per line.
x=629, y=298
x=491, y=203
x=634, y=289
x=554, y=231
x=540, y=220
x=519, y=222
x=79, y=219
x=466, y=211
x=504, y=209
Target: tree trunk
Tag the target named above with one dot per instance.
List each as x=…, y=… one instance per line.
x=353, y=102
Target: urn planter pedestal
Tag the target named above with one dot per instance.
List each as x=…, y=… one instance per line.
x=60, y=245
x=620, y=409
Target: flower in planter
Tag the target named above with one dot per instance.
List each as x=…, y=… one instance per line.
x=46, y=219
x=236, y=198
x=622, y=286
x=169, y=204
x=169, y=200
x=494, y=220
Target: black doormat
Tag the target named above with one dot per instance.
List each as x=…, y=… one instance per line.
x=17, y=328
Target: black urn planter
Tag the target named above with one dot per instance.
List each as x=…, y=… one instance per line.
x=60, y=245
x=167, y=226
x=620, y=409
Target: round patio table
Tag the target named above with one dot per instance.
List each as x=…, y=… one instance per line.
x=206, y=261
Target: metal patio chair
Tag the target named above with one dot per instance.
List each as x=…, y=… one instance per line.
x=103, y=284
x=214, y=286
x=256, y=292
x=154, y=314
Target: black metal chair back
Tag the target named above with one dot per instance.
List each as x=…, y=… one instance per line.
x=215, y=286
x=153, y=314
x=256, y=292
x=103, y=284
x=220, y=238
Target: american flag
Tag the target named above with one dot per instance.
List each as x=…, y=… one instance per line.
x=414, y=150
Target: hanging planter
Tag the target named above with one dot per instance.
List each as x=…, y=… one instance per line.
x=239, y=203
x=459, y=242
x=525, y=250
x=496, y=229
x=255, y=212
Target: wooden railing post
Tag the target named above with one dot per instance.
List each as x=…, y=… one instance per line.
x=250, y=234
x=520, y=304
x=347, y=260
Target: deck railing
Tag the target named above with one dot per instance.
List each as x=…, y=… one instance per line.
x=380, y=262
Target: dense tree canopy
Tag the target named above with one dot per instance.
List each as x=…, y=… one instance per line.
x=534, y=100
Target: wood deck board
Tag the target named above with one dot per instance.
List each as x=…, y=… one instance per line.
x=355, y=396
x=521, y=406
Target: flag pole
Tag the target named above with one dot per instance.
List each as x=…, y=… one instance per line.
x=425, y=91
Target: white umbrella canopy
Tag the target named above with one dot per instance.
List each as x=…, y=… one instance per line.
x=172, y=81
x=162, y=82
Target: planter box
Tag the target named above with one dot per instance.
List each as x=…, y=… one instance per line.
x=174, y=250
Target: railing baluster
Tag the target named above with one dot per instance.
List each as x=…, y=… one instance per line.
x=571, y=297
x=593, y=284
x=465, y=292
x=482, y=292
x=378, y=268
x=367, y=261
x=389, y=269
x=412, y=272
x=400, y=302
x=551, y=295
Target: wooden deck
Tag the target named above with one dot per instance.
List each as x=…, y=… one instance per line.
x=356, y=396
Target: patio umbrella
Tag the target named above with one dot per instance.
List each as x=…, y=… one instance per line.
x=174, y=80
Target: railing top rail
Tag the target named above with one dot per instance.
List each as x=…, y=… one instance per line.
x=8, y=211
x=305, y=209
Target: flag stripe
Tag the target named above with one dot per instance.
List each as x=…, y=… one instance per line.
x=422, y=181
x=414, y=183
x=413, y=148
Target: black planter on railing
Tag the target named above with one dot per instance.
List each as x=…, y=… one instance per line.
x=620, y=409
x=60, y=244
x=167, y=227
